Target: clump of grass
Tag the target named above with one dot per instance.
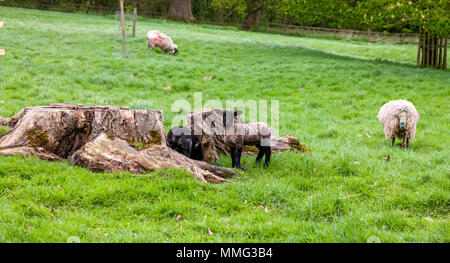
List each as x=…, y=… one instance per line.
x=251, y=149
x=155, y=138
x=302, y=148
x=138, y=145
x=4, y=130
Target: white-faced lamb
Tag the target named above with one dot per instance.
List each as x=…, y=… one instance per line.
x=236, y=135
x=161, y=40
x=399, y=118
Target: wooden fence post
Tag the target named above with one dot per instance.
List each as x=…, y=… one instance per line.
x=444, y=62
x=284, y=23
x=2, y=50
x=122, y=21
x=431, y=51
x=419, y=46
x=134, y=21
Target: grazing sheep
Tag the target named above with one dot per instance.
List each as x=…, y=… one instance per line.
x=236, y=135
x=399, y=118
x=183, y=141
x=161, y=40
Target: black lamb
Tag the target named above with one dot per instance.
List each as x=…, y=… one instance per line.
x=182, y=140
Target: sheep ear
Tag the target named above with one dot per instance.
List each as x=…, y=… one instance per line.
x=237, y=112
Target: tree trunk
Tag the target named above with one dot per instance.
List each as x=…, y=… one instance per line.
x=253, y=14
x=284, y=23
x=180, y=10
x=249, y=21
x=258, y=17
x=100, y=138
x=221, y=15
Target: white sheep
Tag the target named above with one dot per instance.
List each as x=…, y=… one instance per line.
x=161, y=40
x=399, y=118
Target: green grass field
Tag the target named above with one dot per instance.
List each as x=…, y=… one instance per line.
x=330, y=92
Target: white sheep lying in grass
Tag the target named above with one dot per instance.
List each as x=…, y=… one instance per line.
x=161, y=40
x=399, y=118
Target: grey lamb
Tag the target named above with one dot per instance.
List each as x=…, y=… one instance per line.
x=236, y=135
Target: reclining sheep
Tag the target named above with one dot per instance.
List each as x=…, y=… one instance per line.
x=236, y=135
x=161, y=40
x=399, y=118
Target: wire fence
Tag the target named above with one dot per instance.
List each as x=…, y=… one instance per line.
x=278, y=28
x=370, y=36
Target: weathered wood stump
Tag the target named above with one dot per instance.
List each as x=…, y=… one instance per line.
x=100, y=138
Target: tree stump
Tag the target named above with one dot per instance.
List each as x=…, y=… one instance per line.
x=100, y=138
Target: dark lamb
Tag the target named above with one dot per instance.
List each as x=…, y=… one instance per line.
x=183, y=141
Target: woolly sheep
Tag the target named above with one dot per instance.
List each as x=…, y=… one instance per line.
x=236, y=135
x=399, y=118
x=161, y=40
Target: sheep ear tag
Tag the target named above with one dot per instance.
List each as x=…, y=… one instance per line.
x=402, y=124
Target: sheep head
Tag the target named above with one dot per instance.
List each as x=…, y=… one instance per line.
x=228, y=119
x=175, y=50
x=402, y=117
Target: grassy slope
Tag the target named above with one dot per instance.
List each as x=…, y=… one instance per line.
x=329, y=91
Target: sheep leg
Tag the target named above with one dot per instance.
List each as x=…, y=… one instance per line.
x=260, y=155
x=393, y=140
x=238, y=155
x=233, y=158
x=405, y=139
x=267, y=153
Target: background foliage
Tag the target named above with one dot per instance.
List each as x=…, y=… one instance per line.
x=376, y=15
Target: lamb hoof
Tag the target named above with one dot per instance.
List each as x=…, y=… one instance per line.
x=243, y=168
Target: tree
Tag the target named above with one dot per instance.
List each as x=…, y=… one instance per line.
x=253, y=11
x=429, y=17
x=180, y=10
